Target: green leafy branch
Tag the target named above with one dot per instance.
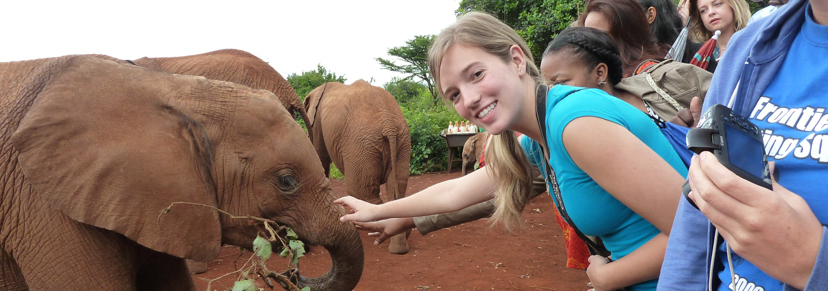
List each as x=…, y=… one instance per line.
x=292, y=248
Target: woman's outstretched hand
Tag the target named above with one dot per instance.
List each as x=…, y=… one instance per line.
x=386, y=228
x=358, y=210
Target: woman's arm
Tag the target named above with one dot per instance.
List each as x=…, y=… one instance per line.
x=626, y=168
x=641, y=265
x=448, y=196
x=686, y=251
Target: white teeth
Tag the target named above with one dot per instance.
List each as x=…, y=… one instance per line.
x=486, y=111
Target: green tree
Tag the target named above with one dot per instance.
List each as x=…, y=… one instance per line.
x=415, y=58
x=538, y=22
x=308, y=80
x=404, y=90
x=757, y=5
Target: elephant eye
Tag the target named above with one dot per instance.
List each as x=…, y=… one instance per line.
x=286, y=183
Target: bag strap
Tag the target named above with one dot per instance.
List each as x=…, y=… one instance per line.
x=651, y=113
x=658, y=90
x=595, y=248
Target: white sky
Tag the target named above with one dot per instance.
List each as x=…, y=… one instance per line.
x=293, y=36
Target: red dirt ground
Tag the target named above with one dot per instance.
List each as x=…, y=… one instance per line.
x=471, y=256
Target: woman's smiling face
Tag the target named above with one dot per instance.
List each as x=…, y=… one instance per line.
x=482, y=87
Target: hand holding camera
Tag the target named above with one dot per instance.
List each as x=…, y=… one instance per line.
x=774, y=229
x=735, y=142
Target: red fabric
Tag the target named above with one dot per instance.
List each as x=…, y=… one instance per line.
x=480, y=162
x=702, y=57
x=645, y=65
x=577, y=253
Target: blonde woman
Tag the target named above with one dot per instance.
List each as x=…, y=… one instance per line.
x=708, y=16
x=618, y=176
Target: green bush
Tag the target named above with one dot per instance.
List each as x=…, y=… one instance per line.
x=425, y=122
x=335, y=173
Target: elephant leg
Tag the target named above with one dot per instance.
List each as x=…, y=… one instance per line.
x=10, y=276
x=160, y=271
x=358, y=184
x=74, y=256
x=196, y=267
x=399, y=243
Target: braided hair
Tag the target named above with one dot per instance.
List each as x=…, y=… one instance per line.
x=592, y=47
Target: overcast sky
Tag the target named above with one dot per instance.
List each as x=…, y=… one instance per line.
x=293, y=36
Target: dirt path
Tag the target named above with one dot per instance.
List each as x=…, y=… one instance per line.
x=471, y=256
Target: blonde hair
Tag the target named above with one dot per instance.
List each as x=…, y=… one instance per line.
x=698, y=33
x=505, y=159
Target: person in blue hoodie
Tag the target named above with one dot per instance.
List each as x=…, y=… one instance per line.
x=774, y=74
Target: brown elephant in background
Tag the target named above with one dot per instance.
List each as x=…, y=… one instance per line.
x=94, y=149
x=361, y=129
x=472, y=150
x=235, y=66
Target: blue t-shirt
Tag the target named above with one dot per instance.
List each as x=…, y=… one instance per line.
x=792, y=112
x=620, y=228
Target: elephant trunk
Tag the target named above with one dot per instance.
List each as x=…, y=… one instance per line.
x=347, y=260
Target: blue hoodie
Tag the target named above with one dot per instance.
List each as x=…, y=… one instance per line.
x=755, y=55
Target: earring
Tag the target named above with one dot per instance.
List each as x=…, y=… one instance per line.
x=602, y=82
x=521, y=70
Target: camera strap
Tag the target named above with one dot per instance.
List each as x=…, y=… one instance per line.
x=596, y=246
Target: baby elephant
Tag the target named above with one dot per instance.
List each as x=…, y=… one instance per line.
x=94, y=149
x=472, y=150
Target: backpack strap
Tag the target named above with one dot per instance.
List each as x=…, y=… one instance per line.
x=595, y=247
x=657, y=89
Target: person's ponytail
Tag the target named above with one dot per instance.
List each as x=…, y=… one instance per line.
x=509, y=167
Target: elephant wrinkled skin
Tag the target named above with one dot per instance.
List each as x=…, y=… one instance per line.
x=235, y=66
x=361, y=129
x=93, y=149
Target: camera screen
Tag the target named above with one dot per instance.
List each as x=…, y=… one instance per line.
x=744, y=151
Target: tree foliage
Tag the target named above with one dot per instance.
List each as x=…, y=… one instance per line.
x=414, y=56
x=308, y=80
x=756, y=5
x=404, y=90
x=538, y=22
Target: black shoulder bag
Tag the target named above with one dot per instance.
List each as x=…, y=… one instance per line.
x=596, y=246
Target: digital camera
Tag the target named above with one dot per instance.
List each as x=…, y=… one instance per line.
x=735, y=141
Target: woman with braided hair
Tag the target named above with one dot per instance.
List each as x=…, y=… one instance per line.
x=588, y=57
x=617, y=175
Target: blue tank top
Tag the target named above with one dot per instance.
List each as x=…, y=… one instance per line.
x=620, y=228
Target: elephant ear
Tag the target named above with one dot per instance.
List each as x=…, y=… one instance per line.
x=102, y=145
x=312, y=102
